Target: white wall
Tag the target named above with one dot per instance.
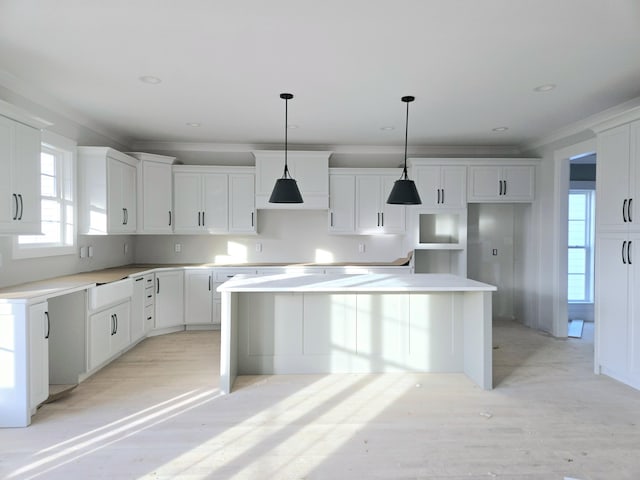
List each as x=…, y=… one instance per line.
x=285, y=236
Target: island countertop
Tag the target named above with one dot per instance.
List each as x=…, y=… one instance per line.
x=372, y=282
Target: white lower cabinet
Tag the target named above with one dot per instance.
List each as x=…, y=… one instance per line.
x=142, y=306
x=109, y=333
x=39, y=328
x=169, y=301
x=198, y=295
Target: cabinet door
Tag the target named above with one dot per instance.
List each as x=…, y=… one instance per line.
x=342, y=203
x=634, y=310
x=169, y=299
x=101, y=327
x=454, y=187
x=8, y=200
x=519, y=183
x=613, y=178
x=484, y=183
x=156, y=198
x=368, y=204
x=242, y=203
x=612, y=304
x=215, y=212
x=121, y=333
x=116, y=215
x=427, y=180
x=187, y=202
x=129, y=198
x=26, y=178
x=198, y=293
x=634, y=177
x=38, y=354
x=392, y=218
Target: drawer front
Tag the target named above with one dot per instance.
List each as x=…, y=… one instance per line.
x=149, y=295
x=222, y=275
x=149, y=280
x=110, y=293
x=148, y=317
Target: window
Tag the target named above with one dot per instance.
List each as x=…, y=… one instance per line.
x=580, y=265
x=57, y=195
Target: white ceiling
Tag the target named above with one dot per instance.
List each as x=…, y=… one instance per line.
x=471, y=64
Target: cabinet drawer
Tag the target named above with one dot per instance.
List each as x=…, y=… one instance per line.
x=110, y=293
x=149, y=294
x=148, y=280
x=148, y=317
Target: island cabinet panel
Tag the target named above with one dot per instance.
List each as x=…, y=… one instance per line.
x=330, y=327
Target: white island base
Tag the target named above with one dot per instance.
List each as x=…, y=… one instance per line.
x=297, y=323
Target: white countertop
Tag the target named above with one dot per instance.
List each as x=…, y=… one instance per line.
x=421, y=282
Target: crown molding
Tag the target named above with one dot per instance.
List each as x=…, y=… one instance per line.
x=611, y=117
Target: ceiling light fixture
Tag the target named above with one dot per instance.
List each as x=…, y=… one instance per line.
x=387, y=129
x=150, y=79
x=500, y=129
x=193, y=124
x=404, y=191
x=286, y=188
x=547, y=87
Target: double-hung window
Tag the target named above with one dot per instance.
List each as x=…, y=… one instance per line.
x=580, y=265
x=57, y=200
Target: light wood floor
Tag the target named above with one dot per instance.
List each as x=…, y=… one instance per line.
x=156, y=413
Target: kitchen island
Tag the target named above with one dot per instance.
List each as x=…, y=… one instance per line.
x=307, y=323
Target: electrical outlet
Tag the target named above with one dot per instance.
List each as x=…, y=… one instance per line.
x=83, y=252
x=258, y=247
x=361, y=248
x=126, y=248
x=90, y=251
x=494, y=252
x=178, y=248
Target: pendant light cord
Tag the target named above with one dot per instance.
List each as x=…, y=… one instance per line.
x=406, y=135
x=286, y=119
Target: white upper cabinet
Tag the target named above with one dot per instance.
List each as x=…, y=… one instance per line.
x=618, y=184
x=342, y=204
x=107, y=190
x=213, y=199
x=155, y=193
x=440, y=186
x=20, y=178
x=373, y=214
x=309, y=169
x=501, y=183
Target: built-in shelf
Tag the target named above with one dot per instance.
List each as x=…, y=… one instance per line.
x=439, y=229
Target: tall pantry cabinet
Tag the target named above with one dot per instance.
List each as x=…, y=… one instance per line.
x=617, y=302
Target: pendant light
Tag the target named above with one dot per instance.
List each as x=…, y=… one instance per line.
x=404, y=191
x=286, y=188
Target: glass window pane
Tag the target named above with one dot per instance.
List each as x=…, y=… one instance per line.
x=577, y=257
x=577, y=233
x=47, y=164
x=48, y=186
x=577, y=206
x=52, y=231
x=576, y=290
x=50, y=211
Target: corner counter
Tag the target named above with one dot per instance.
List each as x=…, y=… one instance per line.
x=306, y=323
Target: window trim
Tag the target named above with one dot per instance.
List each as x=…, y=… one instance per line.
x=34, y=250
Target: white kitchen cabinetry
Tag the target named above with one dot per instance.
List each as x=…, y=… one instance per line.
x=342, y=203
x=618, y=182
x=617, y=342
x=169, y=301
x=155, y=193
x=107, y=190
x=142, y=306
x=198, y=296
x=501, y=183
x=440, y=186
x=39, y=328
x=20, y=178
x=309, y=169
x=212, y=199
x=109, y=333
x=373, y=214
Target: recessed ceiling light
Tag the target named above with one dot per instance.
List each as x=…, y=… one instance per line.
x=193, y=124
x=386, y=129
x=292, y=127
x=500, y=129
x=150, y=79
x=547, y=87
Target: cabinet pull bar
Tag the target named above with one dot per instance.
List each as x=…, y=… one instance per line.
x=116, y=317
x=624, y=258
x=15, y=197
x=112, y=324
x=629, y=252
x=209, y=282
x=46, y=314
x=628, y=211
x=22, y=206
x=624, y=211
x=382, y=219
x=499, y=187
x=331, y=219
x=505, y=187
x=252, y=224
x=443, y=196
x=438, y=201
x=169, y=217
x=157, y=285
x=378, y=219
x=203, y=222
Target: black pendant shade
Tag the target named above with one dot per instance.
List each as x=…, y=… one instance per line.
x=286, y=188
x=404, y=191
